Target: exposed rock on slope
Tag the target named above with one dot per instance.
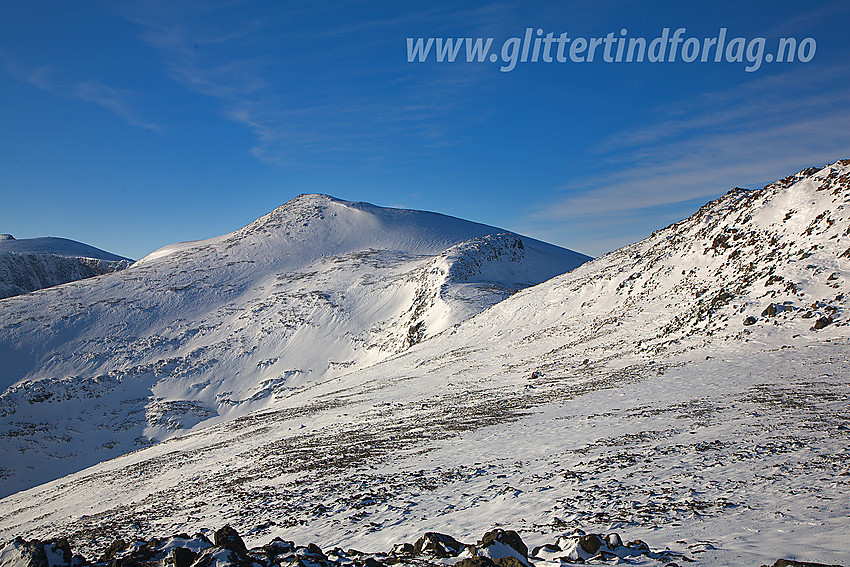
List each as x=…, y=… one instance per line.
x=777, y=255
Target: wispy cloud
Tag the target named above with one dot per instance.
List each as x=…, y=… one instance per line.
x=699, y=149
x=123, y=103
x=770, y=99
x=344, y=106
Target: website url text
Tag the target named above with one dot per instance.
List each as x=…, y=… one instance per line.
x=668, y=47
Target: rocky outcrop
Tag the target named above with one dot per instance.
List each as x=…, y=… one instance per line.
x=438, y=545
x=497, y=548
x=34, y=553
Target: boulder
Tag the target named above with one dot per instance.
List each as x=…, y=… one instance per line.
x=546, y=548
x=222, y=557
x=506, y=537
x=476, y=562
x=183, y=557
x=481, y=561
x=591, y=543
x=115, y=548
x=127, y=561
x=229, y=538
x=403, y=549
x=278, y=548
x=508, y=562
x=613, y=540
x=437, y=544
x=638, y=545
x=60, y=552
x=314, y=553
x=23, y=553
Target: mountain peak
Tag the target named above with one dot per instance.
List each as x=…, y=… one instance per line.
x=208, y=330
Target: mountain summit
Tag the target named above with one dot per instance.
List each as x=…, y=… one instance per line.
x=205, y=331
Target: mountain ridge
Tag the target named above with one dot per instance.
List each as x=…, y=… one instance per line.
x=31, y=264
x=58, y=247
x=207, y=330
x=679, y=390
x=436, y=231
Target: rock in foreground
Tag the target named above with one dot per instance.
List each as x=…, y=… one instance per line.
x=497, y=548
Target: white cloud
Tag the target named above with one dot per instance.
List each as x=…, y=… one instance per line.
x=697, y=150
x=341, y=107
x=123, y=103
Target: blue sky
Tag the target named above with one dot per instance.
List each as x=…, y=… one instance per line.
x=131, y=125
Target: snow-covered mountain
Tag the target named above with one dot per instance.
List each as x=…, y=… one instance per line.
x=690, y=390
x=205, y=331
x=35, y=263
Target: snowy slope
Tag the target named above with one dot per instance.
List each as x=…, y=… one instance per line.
x=690, y=390
x=56, y=247
x=206, y=331
x=35, y=263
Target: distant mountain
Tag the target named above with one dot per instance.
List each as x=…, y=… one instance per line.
x=205, y=331
x=30, y=264
x=689, y=390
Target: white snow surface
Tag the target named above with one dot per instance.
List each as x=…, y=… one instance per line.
x=690, y=390
x=205, y=331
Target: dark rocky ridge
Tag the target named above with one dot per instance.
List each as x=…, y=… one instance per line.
x=31, y=264
x=24, y=273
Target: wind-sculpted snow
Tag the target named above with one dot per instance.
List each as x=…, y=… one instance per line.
x=35, y=263
x=209, y=330
x=690, y=390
